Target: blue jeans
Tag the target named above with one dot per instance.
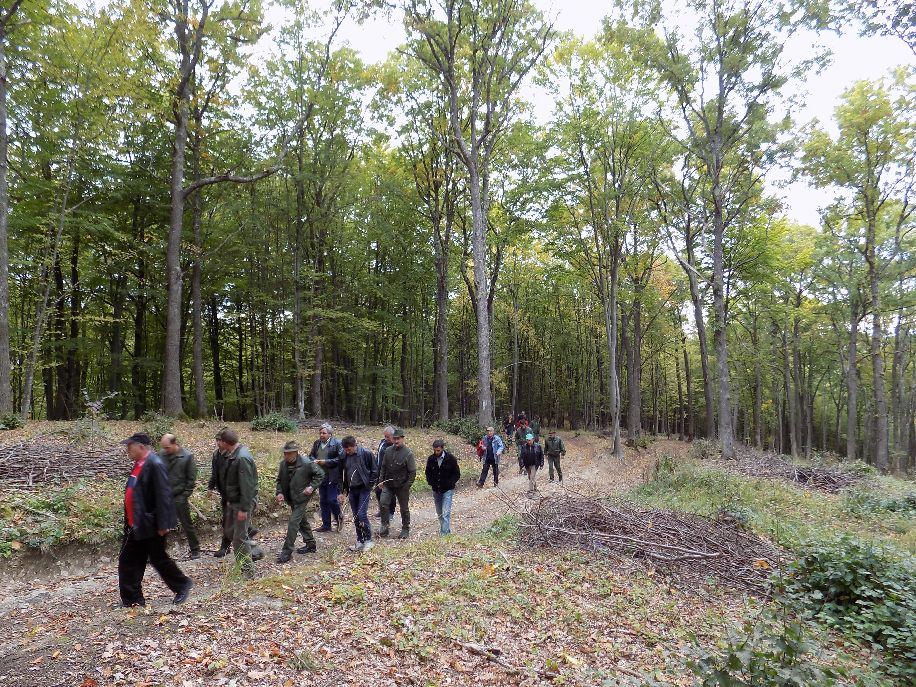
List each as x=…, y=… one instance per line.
x=359, y=504
x=328, y=498
x=443, y=502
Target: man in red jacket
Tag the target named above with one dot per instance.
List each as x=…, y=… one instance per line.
x=149, y=514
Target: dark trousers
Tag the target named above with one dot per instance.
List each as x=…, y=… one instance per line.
x=378, y=496
x=359, y=504
x=135, y=554
x=486, y=471
x=298, y=524
x=226, y=542
x=328, y=494
x=183, y=509
x=403, y=498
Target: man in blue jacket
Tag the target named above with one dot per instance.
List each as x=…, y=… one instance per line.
x=329, y=454
x=149, y=513
x=493, y=450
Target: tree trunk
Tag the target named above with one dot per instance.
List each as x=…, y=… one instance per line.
x=701, y=338
x=479, y=245
x=610, y=330
x=790, y=393
x=882, y=458
x=758, y=387
x=720, y=338
x=197, y=346
x=514, y=293
x=852, y=381
x=442, y=330
x=213, y=330
x=6, y=395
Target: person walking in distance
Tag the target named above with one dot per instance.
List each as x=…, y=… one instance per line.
x=182, y=472
x=397, y=475
x=492, y=452
x=442, y=474
x=328, y=453
x=532, y=457
x=241, y=484
x=149, y=513
x=360, y=472
x=554, y=448
x=297, y=480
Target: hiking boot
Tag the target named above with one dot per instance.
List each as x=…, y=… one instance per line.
x=284, y=556
x=404, y=533
x=367, y=545
x=324, y=528
x=308, y=548
x=253, y=532
x=220, y=553
x=383, y=532
x=356, y=548
x=257, y=553
x=182, y=595
x=193, y=555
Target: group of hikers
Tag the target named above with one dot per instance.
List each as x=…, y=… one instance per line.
x=526, y=435
x=156, y=499
x=157, y=496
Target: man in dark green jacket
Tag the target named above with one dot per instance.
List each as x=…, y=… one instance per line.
x=554, y=448
x=241, y=489
x=396, y=477
x=297, y=479
x=182, y=469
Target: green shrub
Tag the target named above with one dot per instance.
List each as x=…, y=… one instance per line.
x=769, y=653
x=867, y=501
x=274, y=422
x=468, y=428
x=11, y=421
x=156, y=424
x=862, y=589
x=704, y=449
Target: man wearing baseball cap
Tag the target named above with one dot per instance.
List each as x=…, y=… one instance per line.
x=149, y=514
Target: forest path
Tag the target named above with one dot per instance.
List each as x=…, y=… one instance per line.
x=77, y=611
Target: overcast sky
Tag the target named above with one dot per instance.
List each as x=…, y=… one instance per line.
x=854, y=58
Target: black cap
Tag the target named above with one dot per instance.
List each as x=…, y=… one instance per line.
x=438, y=443
x=138, y=438
x=398, y=433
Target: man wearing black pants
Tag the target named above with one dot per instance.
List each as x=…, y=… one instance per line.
x=360, y=473
x=149, y=514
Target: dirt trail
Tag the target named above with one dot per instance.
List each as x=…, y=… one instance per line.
x=57, y=609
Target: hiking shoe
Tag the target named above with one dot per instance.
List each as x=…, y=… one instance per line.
x=383, y=532
x=324, y=528
x=404, y=533
x=284, y=556
x=357, y=547
x=193, y=555
x=257, y=553
x=253, y=532
x=220, y=553
x=308, y=548
x=182, y=596
x=367, y=545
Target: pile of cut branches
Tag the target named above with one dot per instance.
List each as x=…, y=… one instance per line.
x=772, y=466
x=27, y=464
x=688, y=548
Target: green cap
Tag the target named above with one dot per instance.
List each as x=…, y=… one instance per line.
x=398, y=433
